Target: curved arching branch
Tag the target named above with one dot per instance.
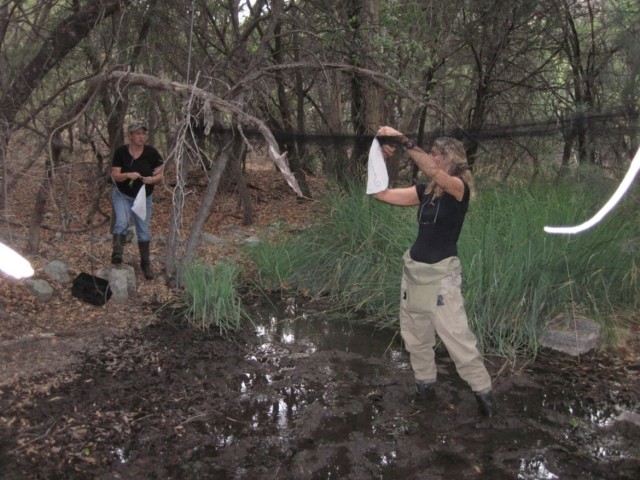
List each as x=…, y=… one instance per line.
x=242, y=117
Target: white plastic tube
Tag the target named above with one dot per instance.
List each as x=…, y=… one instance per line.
x=615, y=198
x=14, y=264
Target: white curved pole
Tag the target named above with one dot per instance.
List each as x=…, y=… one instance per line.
x=14, y=264
x=615, y=198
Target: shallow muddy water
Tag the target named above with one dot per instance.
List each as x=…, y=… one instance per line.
x=304, y=397
x=548, y=427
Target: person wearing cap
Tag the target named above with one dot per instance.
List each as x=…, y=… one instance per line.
x=431, y=300
x=135, y=165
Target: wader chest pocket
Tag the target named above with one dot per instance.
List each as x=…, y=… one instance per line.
x=421, y=298
x=421, y=284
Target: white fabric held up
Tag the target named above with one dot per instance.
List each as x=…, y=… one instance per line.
x=140, y=203
x=377, y=176
x=615, y=198
x=14, y=264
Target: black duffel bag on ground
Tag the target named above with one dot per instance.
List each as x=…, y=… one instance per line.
x=91, y=289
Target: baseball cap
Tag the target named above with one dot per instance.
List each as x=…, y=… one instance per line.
x=137, y=125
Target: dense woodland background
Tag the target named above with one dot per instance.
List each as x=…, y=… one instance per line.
x=534, y=88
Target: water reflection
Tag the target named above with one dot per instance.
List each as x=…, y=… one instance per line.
x=121, y=455
x=281, y=325
x=535, y=469
x=286, y=333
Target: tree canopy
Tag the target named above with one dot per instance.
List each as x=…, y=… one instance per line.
x=522, y=83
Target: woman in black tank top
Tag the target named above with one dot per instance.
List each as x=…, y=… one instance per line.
x=431, y=300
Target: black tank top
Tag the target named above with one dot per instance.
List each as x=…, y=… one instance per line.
x=439, y=225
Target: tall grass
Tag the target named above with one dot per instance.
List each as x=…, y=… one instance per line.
x=210, y=298
x=516, y=277
x=350, y=256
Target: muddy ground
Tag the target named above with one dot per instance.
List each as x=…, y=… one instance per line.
x=118, y=392
x=299, y=396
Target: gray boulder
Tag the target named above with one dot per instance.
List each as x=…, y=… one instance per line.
x=574, y=336
x=41, y=289
x=122, y=281
x=252, y=241
x=630, y=417
x=210, y=239
x=58, y=270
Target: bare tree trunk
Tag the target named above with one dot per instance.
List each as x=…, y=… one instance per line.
x=102, y=179
x=586, y=58
x=336, y=158
x=367, y=105
x=286, y=113
x=4, y=143
x=63, y=39
x=239, y=152
x=37, y=215
x=175, y=219
x=301, y=146
x=358, y=86
x=207, y=200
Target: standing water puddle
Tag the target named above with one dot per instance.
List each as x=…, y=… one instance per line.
x=337, y=400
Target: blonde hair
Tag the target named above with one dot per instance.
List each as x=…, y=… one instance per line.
x=453, y=151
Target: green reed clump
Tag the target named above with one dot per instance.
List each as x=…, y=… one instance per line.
x=351, y=255
x=516, y=277
x=210, y=298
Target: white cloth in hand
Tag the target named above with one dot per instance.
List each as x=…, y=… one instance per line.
x=140, y=203
x=377, y=176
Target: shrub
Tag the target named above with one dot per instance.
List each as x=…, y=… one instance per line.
x=210, y=298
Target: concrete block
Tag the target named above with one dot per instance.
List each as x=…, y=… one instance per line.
x=574, y=336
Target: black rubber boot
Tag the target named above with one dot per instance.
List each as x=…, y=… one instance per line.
x=425, y=390
x=486, y=403
x=118, y=248
x=145, y=261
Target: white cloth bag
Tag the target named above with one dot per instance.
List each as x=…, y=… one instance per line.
x=377, y=176
x=140, y=203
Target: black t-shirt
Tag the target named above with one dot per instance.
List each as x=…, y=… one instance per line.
x=145, y=164
x=439, y=225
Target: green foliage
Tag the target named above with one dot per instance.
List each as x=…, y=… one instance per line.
x=351, y=255
x=516, y=277
x=210, y=298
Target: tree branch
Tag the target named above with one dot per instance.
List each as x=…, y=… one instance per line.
x=156, y=83
x=62, y=40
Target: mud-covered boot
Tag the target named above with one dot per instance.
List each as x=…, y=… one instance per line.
x=118, y=248
x=486, y=402
x=425, y=390
x=145, y=261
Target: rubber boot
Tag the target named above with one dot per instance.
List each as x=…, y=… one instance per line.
x=425, y=390
x=486, y=403
x=145, y=261
x=118, y=248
